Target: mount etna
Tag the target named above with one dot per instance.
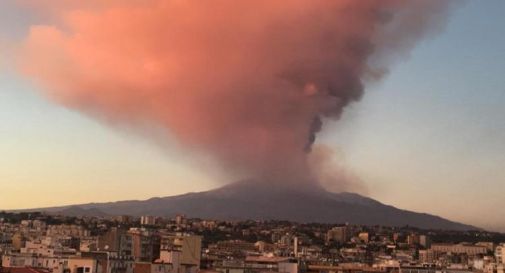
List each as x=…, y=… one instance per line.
x=243, y=200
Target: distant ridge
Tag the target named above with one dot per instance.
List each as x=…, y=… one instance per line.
x=79, y=211
x=242, y=200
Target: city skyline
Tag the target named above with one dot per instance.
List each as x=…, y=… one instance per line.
x=428, y=137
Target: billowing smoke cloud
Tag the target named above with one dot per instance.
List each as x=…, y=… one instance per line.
x=249, y=82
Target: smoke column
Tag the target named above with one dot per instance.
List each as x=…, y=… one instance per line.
x=249, y=82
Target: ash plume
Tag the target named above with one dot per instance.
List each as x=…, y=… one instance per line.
x=249, y=82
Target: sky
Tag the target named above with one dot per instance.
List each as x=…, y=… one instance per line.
x=430, y=137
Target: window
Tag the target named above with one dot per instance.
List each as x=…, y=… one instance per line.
x=86, y=269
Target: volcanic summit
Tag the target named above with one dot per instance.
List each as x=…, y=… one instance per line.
x=261, y=201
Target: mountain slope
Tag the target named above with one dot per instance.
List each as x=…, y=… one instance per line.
x=241, y=201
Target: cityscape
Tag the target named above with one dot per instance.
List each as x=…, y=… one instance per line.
x=38, y=242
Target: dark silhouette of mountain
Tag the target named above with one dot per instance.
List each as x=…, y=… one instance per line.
x=243, y=200
x=80, y=212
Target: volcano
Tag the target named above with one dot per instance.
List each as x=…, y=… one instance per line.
x=244, y=200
